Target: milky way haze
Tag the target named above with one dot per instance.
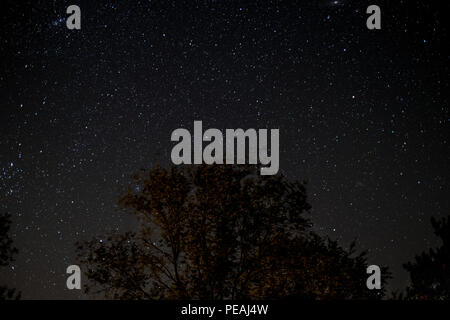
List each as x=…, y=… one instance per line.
x=362, y=114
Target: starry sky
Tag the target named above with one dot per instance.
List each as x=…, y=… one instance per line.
x=363, y=115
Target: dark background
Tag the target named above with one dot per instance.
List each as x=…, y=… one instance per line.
x=363, y=115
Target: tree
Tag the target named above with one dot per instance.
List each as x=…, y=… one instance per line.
x=220, y=232
x=7, y=252
x=430, y=272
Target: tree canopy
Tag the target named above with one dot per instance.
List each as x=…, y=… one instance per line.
x=430, y=271
x=7, y=252
x=220, y=232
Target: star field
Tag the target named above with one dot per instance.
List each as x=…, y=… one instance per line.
x=363, y=115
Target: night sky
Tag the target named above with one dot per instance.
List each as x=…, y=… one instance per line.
x=363, y=115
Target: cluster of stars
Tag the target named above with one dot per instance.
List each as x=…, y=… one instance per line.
x=362, y=116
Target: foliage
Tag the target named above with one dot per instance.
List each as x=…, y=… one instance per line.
x=430, y=272
x=7, y=252
x=220, y=232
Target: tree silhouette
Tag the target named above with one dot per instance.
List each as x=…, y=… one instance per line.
x=220, y=232
x=7, y=252
x=430, y=272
